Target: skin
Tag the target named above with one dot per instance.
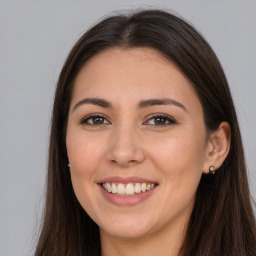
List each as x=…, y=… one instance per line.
x=130, y=142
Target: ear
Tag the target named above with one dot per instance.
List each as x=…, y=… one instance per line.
x=218, y=147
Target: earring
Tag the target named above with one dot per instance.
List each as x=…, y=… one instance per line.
x=212, y=169
x=69, y=165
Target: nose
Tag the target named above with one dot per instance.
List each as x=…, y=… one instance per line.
x=125, y=148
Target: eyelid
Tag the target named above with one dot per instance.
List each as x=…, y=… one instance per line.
x=92, y=115
x=167, y=117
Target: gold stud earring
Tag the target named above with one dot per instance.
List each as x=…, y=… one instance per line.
x=69, y=165
x=212, y=169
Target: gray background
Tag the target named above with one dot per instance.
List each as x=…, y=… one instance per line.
x=35, y=38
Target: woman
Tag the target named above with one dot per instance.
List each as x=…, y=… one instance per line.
x=145, y=150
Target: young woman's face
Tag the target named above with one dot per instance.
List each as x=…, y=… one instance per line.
x=136, y=142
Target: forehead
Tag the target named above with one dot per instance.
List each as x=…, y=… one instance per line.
x=132, y=74
x=135, y=64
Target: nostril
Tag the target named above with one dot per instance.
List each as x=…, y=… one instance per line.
x=124, y=163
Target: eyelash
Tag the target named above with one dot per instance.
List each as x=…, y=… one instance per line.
x=167, y=118
x=85, y=120
x=164, y=118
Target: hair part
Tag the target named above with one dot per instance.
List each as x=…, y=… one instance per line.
x=222, y=221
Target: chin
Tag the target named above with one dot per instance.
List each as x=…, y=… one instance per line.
x=126, y=228
x=126, y=233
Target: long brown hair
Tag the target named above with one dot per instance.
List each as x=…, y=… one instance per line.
x=222, y=222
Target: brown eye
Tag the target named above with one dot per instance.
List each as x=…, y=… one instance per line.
x=160, y=120
x=95, y=120
x=98, y=120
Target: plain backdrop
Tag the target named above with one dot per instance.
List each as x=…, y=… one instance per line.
x=35, y=38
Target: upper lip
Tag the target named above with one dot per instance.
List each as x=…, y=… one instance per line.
x=126, y=180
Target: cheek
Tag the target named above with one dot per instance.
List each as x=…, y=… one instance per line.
x=84, y=157
x=180, y=158
x=83, y=153
x=180, y=162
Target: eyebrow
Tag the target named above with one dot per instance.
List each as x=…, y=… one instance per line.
x=94, y=101
x=142, y=104
x=165, y=101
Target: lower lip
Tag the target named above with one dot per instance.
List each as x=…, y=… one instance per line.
x=126, y=200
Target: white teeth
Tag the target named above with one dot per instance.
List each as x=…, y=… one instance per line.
x=120, y=189
x=109, y=187
x=127, y=189
x=137, y=188
x=143, y=187
x=114, y=188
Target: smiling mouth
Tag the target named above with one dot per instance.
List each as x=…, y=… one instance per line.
x=129, y=189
